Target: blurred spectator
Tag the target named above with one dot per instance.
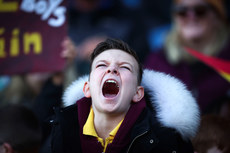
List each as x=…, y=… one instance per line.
x=20, y=131
x=92, y=21
x=4, y=81
x=203, y=26
x=23, y=89
x=213, y=135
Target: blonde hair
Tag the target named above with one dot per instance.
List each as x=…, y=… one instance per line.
x=174, y=46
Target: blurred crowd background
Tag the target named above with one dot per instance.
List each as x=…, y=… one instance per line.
x=158, y=31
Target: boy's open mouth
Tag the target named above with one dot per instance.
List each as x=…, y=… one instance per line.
x=110, y=88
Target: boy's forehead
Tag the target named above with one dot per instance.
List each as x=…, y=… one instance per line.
x=110, y=54
x=116, y=55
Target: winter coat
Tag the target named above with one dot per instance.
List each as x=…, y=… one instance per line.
x=166, y=125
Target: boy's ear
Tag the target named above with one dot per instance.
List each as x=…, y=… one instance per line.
x=139, y=94
x=86, y=90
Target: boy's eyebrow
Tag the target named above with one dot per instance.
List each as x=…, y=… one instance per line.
x=120, y=63
x=104, y=61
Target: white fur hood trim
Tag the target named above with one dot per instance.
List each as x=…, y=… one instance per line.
x=175, y=106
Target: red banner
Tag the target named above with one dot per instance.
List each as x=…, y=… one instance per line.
x=220, y=65
x=31, y=32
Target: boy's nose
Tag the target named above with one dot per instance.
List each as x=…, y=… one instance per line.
x=112, y=70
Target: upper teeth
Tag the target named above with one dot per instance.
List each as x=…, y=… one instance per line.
x=111, y=81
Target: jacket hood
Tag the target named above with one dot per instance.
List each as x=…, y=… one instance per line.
x=175, y=106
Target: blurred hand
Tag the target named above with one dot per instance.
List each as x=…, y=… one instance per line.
x=69, y=51
x=88, y=45
x=58, y=78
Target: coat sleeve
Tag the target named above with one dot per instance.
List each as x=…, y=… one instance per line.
x=169, y=140
x=47, y=100
x=49, y=97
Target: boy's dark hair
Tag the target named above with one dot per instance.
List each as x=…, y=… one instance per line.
x=20, y=128
x=116, y=44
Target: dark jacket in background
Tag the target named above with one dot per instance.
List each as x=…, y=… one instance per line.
x=209, y=88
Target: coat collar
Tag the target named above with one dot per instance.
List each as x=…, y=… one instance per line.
x=175, y=106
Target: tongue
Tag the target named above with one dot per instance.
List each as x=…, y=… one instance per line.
x=109, y=95
x=110, y=90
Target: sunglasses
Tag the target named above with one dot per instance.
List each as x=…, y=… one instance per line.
x=198, y=10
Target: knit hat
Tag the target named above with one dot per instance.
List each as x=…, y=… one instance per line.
x=218, y=6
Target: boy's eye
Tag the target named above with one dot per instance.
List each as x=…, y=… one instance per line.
x=100, y=65
x=125, y=67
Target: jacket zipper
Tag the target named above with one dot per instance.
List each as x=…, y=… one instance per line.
x=135, y=139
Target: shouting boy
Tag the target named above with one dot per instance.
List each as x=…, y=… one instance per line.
x=119, y=112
